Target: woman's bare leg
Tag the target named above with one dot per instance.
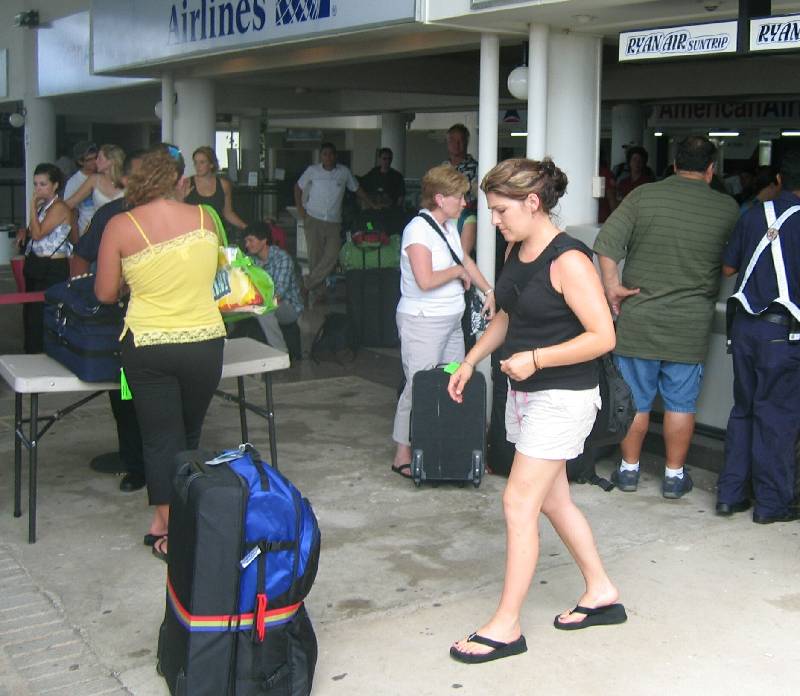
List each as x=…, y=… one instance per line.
x=574, y=530
x=528, y=486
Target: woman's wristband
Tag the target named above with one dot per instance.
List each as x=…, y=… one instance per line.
x=535, y=361
x=488, y=291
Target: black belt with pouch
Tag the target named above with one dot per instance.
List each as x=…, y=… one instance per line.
x=781, y=318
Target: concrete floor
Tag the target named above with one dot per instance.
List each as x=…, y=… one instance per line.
x=714, y=604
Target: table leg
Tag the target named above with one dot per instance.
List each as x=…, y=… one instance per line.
x=242, y=409
x=273, y=442
x=33, y=468
x=17, y=455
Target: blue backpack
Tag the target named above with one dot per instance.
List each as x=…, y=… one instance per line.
x=281, y=534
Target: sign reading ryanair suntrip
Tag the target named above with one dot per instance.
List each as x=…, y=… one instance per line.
x=130, y=33
x=675, y=42
x=775, y=33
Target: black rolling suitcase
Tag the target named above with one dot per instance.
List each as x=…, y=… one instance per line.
x=372, y=297
x=243, y=553
x=448, y=440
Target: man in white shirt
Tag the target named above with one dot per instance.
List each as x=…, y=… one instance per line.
x=323, y=186
x=86, y=156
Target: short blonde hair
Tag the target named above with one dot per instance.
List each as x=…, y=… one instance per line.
x=444, y=179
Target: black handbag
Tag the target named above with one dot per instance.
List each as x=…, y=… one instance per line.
x=617, y=411
x=477, y=319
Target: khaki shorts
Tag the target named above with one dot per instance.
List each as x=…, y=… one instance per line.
x=551, y=424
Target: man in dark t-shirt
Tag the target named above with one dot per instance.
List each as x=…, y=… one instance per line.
x=384, y=185
x=82, y=261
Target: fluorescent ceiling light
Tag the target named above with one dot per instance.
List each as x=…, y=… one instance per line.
x=519, y=135
x=790, y=134
x=723, y=134
x=658, y=134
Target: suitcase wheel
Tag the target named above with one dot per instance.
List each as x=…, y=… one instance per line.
x=477, y=467
x=416, y=468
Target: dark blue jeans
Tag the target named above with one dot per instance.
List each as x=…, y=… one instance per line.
x=765, y=419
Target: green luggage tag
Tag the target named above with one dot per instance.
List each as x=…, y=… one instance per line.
x=124, y=389
x=450, y=368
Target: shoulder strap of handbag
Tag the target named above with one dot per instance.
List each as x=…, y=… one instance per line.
x=436, y=227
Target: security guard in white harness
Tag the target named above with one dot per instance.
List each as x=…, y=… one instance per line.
x=764, y=339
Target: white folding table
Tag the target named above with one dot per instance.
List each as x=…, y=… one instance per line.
x=39, y=374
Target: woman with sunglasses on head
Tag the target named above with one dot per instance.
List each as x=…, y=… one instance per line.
x=106, y=184
x=47, y=245
x=432, y=289
x=552, y=322
x=166, y=253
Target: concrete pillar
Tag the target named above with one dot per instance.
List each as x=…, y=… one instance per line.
x=538, y=38
x=393, y=136
x=249, y=145
x=488, y=116
x=40, y=138
x=40, y=117
x=573, y=121
x=168, y=108
x=627, y=126
x=195, y=117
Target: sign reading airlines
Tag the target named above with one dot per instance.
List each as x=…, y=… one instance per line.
x=775, y=33
x=130, y=33
x=674, y=42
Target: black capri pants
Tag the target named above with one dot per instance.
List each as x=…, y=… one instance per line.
x=172, y=385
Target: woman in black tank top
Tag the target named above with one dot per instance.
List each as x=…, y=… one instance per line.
x=552, y=322
x=209, y=188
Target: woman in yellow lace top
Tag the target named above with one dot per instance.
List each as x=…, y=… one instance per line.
x=166, y=253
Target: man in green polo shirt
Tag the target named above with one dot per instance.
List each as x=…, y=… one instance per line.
x=671, y=234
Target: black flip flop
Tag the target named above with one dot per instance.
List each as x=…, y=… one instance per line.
x=160, y=555
x=151, y=539
x=403, y=470
x=607, y=615
x=498, y=649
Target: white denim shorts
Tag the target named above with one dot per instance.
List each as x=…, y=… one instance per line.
x=551, y=424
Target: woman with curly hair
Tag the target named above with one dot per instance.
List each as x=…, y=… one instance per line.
x=552, y=322
x=166, y=253
x=106, y=184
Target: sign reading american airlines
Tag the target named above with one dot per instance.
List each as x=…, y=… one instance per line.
x=675, y=42
x=131, y=33
x=775, y=33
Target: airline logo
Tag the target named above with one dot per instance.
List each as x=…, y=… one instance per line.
x=295, y=11
x=672, y=42
x=775, y=33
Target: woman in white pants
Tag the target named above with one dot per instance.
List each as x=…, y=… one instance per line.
x=432, y=289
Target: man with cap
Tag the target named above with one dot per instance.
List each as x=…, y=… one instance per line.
x=86, y=156
x=764, y=335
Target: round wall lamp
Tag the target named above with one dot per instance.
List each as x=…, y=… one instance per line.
x=17, y=119
x=158, y=109
x=518, y=82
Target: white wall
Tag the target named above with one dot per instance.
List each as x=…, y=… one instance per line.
x=13, y=38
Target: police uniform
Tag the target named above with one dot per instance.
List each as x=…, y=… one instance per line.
x=765, y=344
